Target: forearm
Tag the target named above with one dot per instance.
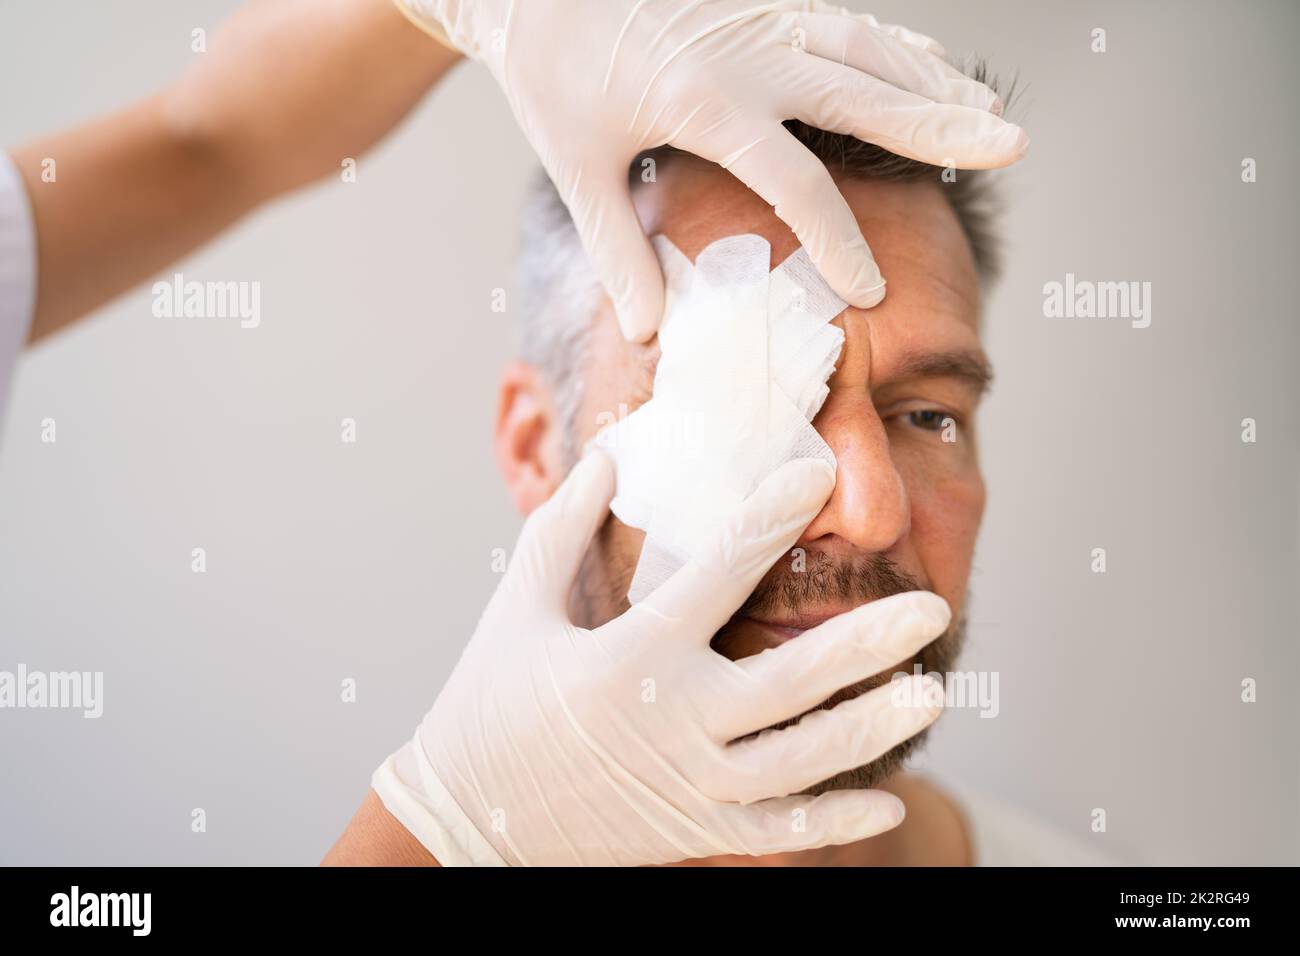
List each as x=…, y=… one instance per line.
x=375, y=838
x=124, y=199
x=288, y=90
x=292, y=87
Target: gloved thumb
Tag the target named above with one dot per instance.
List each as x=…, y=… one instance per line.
x=620, y=254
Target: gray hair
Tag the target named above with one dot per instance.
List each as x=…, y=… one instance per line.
x=559, y=291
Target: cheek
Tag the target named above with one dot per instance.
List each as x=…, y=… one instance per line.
x=603, y=402
x=947, y=506
x=615, y=380
x=600, y=592
x=592, y=412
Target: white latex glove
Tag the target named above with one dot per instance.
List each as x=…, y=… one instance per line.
x=555, y=745
x=594, y=83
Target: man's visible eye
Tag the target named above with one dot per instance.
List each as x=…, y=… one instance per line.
x=929, y=419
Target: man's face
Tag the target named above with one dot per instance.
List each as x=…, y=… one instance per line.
x=899, y=418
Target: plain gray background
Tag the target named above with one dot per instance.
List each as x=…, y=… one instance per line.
x=372, y=561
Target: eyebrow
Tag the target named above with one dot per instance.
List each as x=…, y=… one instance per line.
x=969, y=367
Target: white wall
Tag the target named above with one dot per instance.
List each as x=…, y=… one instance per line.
x=371, y=561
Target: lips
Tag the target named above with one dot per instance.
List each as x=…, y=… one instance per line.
x=787, y=627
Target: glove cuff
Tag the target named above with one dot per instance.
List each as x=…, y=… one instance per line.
x=412, y=792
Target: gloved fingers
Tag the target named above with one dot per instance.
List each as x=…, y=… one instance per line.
x=700, y=597
x=793, y=678
x=927, y=43
x=619, y=252
x=779, y=762
x=852, y=42
x=788, y=824
x=556, y=536
x=770, y=161
x=902, y=122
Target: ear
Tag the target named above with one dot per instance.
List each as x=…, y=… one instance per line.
x=529, y=437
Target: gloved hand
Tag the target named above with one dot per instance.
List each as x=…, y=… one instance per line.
x=555, y=745
x=593, y=84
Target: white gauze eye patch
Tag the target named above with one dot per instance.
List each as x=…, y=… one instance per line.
x=744, y=359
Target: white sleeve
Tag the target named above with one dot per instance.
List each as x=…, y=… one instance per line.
x=17, y=271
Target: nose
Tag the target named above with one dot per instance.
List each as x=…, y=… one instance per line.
x=869, y=507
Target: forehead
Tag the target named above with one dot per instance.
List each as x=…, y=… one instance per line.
x=911, y=228
x=931, y=309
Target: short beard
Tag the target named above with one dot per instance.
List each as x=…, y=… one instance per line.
x=853, y=581
x=601, y=595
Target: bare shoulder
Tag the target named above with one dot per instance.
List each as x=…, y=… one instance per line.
x=935, y=831
x=1001, y=833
